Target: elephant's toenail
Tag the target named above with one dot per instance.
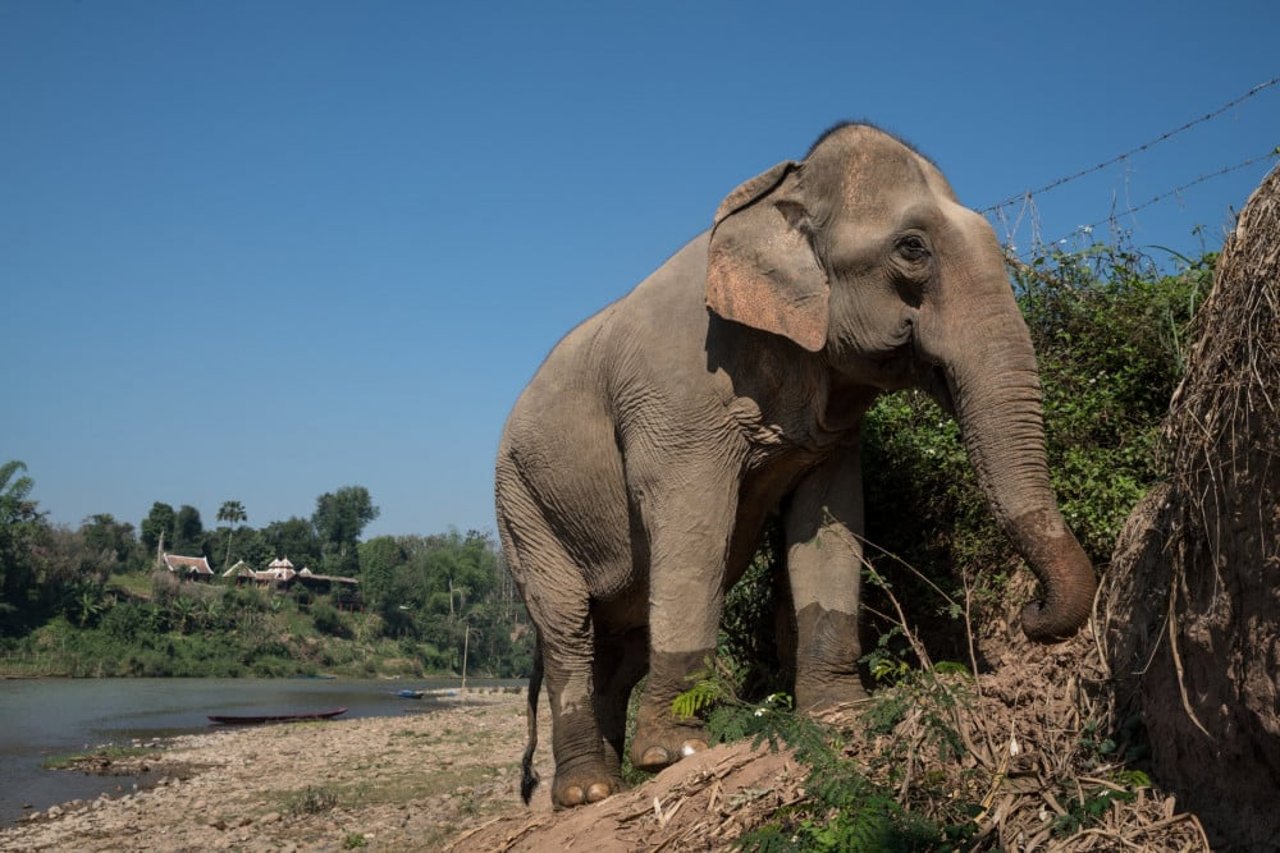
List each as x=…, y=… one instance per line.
x=597, y=792
x=689, y=747
x=573, y=796
x=655, y=756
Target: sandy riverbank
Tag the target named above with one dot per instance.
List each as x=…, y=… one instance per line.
x=389, y=783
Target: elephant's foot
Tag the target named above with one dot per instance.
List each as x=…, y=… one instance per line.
x=658, y=756
x=583, y=784
x=658, y=743
x=816, y=696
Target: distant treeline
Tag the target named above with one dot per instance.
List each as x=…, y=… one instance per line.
x=94, y=600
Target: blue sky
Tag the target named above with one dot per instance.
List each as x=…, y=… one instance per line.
x=256, y=251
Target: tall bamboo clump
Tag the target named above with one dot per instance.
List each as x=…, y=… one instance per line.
x=1193, y=598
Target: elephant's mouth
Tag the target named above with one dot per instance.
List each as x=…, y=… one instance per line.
x=934, y=383
x=902, y=368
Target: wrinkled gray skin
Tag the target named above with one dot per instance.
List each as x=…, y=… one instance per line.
x=637, y=469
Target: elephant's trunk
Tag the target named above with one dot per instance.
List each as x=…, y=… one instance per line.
x=995, y=389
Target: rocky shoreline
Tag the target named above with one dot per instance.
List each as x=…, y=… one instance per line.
x=385, y=783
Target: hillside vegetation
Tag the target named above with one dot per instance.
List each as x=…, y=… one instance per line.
x=91, y=601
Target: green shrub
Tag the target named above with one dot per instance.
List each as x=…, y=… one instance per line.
x=850, y=803
x=1109, y=331
x=126, y=622
x=327, y=620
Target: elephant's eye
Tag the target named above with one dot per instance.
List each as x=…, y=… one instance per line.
x=912, y=247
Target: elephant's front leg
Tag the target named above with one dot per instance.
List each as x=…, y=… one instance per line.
x=620, y=662
x=688, y=528
x=824, y=564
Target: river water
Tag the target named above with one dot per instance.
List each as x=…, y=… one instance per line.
x=42, y=717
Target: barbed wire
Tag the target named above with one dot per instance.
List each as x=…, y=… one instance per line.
x=1274, y=152
x=1168, y=193
x=1022, y=196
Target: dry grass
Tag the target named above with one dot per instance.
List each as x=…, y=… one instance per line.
x=1196, y=570
x=1029, y=757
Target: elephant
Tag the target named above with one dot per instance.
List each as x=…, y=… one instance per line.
x=637, y=470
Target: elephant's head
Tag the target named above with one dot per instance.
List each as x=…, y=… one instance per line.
x=861, y=253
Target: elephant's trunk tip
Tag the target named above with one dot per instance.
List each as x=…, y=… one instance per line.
x=1065, y=574
x=1045, y=624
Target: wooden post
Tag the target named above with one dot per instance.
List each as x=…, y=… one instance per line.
x=466, y=643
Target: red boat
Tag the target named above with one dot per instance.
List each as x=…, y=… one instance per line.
x=252, y=719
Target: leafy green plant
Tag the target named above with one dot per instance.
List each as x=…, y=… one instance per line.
x=1089, y=808
x=845, y=808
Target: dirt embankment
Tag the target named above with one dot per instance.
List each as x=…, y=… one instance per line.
x=1196, y=601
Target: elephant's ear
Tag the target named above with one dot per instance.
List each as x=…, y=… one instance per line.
x=761, y=270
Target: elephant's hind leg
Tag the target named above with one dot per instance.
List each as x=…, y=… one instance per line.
x=582, y=773
x=559, y=605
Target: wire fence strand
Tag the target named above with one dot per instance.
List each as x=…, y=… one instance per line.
x=1162, y=196
x=1169, y=134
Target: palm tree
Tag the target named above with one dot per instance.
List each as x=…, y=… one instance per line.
x=233, y=513
x=182, y=609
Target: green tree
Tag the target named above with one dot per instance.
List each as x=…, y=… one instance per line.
x=87, y=604
x=295, y=539
x=339, y=519
x=188, y=531
x=182, y=611
x=21, y=524
x=231, y=512
x=253, y=548
x=459, y=569
x=380, y=558
x=114, y=541
x=157, y=526
x=74, y=571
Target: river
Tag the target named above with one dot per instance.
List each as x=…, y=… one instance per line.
x=45, y=717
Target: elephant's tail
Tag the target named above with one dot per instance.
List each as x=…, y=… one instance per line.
x=529, y=780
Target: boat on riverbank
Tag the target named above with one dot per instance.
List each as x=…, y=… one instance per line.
x=255, y=719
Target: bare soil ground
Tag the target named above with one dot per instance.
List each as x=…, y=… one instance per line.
x=449, y=780
x=389, y=783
